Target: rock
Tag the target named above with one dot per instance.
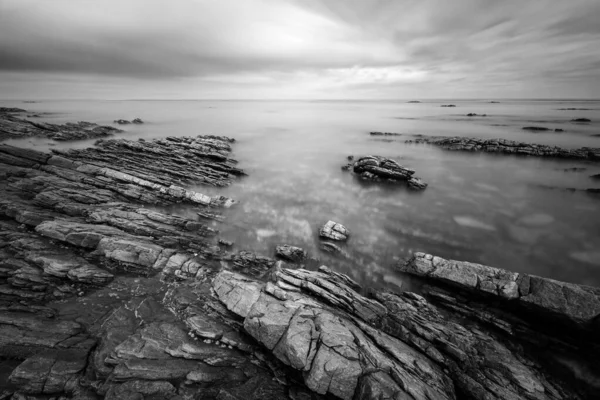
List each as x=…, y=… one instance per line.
x=413, y=101
x=448, y=105
x=381, y=169
x=581, y=120
x=559, y=130
x=577, y=304
x=121, y=121
x=535, y=128
x=333, y=350
x=225, y=243
x=291, y=253
x=476, y=115
x=334, y=231
x=507, y=147
x=13, y=127
x=137, y=121
x=11, y=110
x=597, y=176
x=383, y=134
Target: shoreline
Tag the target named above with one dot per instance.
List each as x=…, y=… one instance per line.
x=75, y=225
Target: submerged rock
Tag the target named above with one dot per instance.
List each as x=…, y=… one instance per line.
x=334, y=231
x=581, y=120
x=381, y=169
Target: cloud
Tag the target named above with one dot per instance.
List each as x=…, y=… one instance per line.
x=301, y=48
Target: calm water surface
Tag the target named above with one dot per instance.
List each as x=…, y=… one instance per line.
x=505, y=211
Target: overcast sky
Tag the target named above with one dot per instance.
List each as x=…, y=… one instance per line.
x=149, y=49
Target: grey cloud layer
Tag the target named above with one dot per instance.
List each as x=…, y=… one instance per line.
x=533, y=43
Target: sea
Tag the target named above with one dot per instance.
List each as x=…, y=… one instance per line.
x=519, y=213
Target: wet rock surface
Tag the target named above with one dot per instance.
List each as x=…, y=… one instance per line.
x=334, y=231
x=442, y=346
x=381, y=169
x=507, y=147
x=14, y=125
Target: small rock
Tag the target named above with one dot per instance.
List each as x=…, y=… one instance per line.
x=291, y=253
x=334, y=231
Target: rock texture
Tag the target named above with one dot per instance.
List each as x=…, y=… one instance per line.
x=508, y=147
x=13, y=125
x=406, y=346
x=381, y=169
x=334, y=231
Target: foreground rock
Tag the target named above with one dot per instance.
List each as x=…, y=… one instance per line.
x=507, y=147
x=381, y=169
x=13, y=125
x=405, y=346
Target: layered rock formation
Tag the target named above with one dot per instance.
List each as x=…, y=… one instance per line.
x=13, y=125
x=507, y=147
x=381, y=169
x=409, y=346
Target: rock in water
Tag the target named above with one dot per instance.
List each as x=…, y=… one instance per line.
x=381, y=169
x=334, y=231
x=507, y=147
x=291, y=253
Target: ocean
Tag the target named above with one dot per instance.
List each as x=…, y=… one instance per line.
x=505, y=211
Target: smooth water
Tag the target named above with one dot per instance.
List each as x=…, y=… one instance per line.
x=500, y=210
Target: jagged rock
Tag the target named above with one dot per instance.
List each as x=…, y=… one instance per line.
x=291, y=253
x=137, y=121
x=249, y=262
x=12, y=126
x=333, y=350
x=334, y=231
x=403, y=345
x=507, y=147
x=378, y=169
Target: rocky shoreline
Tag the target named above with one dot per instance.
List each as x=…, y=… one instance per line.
x=14, y=125
x=505, y=146
x=104, y=295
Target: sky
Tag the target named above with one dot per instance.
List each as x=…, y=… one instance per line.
x=299, y=49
